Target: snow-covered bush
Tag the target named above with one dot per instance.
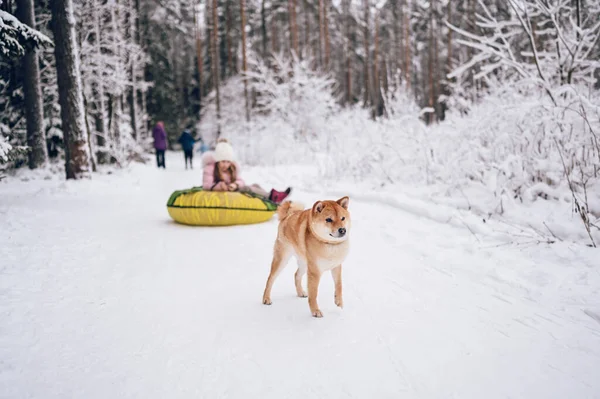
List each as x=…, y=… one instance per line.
x=546, y=48
x=515, y=145
x=293, y=111
x=291, y=91
x=8, y=153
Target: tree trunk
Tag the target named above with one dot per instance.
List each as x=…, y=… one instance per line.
x=294, y=46
x=321, y=33
x=143, y=44
x=113, y=120
x=296, y=30
x=145, y=113
x=376, y=57
x=100, y=114
x=200, y=62
x=449, y=65
x=306, y=30
x=326, y=29
x=215, y=63
x=472, y=4
x=230, y=69
x=431, y=62
x=115, y=103
x=376, y=96
x=449, y=60
x=395, y=63
x=132, y=97
x=347, y=50
x=436, y=61
x=407, y=55
x=244, y=65
x=578, y=11
x=274, y=36
x=263, y=28
x=89, y=137
x=366, y=44
x=66, y=52
x=291, y=26
x=32, y=90
x=385, y=75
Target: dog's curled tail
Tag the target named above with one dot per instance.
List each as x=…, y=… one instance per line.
x=287, y=208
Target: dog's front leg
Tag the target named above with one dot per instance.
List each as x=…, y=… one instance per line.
x=314, y=277
x=336, y=272
x=298, y=278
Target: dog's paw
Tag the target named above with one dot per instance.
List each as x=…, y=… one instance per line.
x=267, y=301
x=339, y=302
x=302, y=294
x=317, y=313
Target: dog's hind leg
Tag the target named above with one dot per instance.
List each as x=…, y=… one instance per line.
x=298, y=278
x=281, y=254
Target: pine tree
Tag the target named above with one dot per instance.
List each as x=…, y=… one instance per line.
x=34, y=116
x=77, y=158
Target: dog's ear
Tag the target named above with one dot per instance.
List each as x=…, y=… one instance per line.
x=343, y=202
x=318, y=207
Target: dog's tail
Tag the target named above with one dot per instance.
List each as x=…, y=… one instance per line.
x=287, y=208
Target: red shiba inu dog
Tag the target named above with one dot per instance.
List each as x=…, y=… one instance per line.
x=318, y=237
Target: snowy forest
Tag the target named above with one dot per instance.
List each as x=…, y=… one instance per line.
x=492, y=102
x=162, y=161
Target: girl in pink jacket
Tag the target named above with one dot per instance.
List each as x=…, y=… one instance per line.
x=222, y=173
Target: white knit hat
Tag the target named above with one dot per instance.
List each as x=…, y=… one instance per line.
x=224, y=152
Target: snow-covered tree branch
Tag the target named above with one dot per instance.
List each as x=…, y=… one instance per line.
x=15, y=36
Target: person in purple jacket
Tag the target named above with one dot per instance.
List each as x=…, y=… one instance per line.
x=160, y=143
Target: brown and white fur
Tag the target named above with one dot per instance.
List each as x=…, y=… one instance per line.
x=318, y=237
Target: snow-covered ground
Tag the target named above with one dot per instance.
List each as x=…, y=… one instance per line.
x=103, y=296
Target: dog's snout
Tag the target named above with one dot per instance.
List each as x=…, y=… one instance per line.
x=342, y=231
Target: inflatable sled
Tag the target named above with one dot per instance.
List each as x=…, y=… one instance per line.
x=197, y=207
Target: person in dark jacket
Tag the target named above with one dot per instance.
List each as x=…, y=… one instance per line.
x=160, y=143
x=187, y=142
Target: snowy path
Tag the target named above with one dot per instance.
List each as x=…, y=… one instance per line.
x=102, y=296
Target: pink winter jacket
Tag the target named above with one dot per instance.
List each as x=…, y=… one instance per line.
x=208, y=166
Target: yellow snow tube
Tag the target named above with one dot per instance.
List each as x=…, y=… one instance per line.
x=217, y=208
